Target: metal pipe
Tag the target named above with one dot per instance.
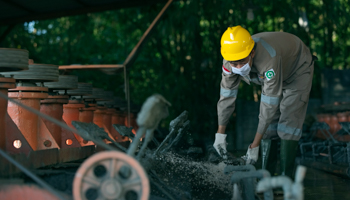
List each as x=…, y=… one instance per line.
x=275, y=182
x=135, y=143
x=292, y=191
x=236, y=193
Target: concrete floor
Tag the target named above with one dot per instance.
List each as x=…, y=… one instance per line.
x=320, y=185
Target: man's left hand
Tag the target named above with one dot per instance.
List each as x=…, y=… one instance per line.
x=252, y=155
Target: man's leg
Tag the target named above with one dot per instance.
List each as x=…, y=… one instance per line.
x=269, y=146
x=293, y=110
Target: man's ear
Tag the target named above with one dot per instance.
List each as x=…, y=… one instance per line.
x=253, y=53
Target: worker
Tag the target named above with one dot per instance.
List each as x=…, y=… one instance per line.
x=283, y=65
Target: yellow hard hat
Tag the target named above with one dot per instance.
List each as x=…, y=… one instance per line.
x=236, y=43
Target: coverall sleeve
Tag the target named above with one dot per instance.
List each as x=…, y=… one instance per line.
x=271, y=94
x=228, y=94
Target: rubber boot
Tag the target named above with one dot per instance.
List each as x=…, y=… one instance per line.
x=287, y=157
x=269, y=153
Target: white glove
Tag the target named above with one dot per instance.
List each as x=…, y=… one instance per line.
x=252, y=155
x=220, y=144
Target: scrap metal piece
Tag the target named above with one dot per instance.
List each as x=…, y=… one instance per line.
x=152, y=112
x=175, y=125
x=124, y=131
x=182, y=130
x=111, y=175
x=94, y=132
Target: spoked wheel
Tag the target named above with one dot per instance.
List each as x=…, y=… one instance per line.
x=111, y=175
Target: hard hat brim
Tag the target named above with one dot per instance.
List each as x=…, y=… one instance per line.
x=236, y=56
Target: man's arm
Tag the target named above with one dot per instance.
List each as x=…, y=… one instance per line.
x=221, y=129
x=226, y=105
x=270, y=99
x=228, y=95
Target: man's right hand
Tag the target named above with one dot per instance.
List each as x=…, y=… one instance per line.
x=220, y=144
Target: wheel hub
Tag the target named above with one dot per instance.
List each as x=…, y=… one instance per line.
x=111, y=189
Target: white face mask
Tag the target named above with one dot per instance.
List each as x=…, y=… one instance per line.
x=243, y=71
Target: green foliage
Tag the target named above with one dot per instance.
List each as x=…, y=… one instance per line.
x=181, y=60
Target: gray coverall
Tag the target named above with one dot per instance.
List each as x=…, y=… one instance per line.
x=283, y=66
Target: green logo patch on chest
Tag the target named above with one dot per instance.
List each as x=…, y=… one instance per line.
x=269, y=74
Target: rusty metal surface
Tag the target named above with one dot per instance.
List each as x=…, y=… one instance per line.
x=86, y=114
x=8, y=83
x=117, y=120
x=71, y=113
x=111, y=175
x=15, y=141
x=68, y=139
x=54, y=110
x=72, y=154
x=103, y=119
x=28, y=95
x=45, y=138
x=29, y=89
x=26, y=121
x=63, y=125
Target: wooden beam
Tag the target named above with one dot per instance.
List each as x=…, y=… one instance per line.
x=90, y=67
x=134, y=53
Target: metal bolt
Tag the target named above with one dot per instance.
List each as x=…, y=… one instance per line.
x=47, y=143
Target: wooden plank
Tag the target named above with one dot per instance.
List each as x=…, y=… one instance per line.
x=90, y=67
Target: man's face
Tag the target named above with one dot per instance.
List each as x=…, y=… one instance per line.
x=240, y=63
